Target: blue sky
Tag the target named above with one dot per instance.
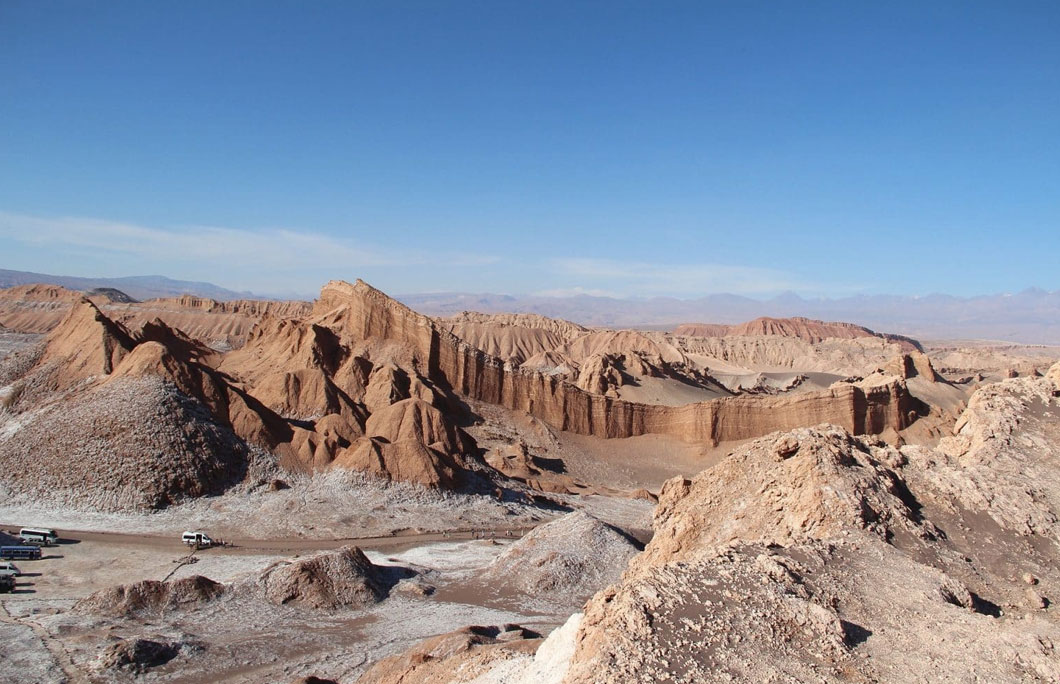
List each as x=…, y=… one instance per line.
x=828, y=148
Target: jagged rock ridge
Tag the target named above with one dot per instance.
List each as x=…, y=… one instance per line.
x=359, y=382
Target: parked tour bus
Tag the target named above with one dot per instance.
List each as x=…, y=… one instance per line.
x=36, y=535
x=20, y=552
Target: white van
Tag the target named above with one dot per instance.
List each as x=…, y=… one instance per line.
x=38, y=535
x=197, y=539
x=9, y=568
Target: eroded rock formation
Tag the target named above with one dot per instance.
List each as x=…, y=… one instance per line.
x=361, y=381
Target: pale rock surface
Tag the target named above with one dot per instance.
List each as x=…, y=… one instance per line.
x=566, y=559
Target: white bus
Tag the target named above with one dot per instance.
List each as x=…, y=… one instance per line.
x=36, y=535
x=199, y=540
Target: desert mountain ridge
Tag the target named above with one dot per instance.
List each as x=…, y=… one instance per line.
x=360, y=381
x=137, y=287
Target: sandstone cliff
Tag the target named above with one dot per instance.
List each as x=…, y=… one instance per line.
x=359, y=312
x=86, y=344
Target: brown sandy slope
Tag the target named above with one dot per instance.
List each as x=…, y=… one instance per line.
x=512, y=337
x=222, y=324
x=35, y=308
x=91, y=364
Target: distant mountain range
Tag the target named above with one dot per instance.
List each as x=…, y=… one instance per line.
x=137, y=287
x=1031, y=316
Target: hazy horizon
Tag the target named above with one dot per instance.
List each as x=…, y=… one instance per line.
x=554, y=294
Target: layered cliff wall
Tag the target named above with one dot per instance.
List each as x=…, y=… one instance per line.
x=362, y=313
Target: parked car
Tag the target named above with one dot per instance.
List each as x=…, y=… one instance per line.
x=10, y=568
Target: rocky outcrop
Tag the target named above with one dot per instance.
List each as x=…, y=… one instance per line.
x=174, y=359
x=1053, y=375
x=1002, y=456
x=86, y=344
x=813, y=578
x=403, y=461
x=129, y=444
x=417, y=421
x=600, y=374
x=151, y=597
x=471, y=651
x=298, y=370
x=913, y=364
x=137, y=655
x=330, y=580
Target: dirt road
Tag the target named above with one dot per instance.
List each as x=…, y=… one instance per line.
x=391, y=542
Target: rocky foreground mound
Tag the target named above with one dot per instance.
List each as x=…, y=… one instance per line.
x=816, y=555
x=568, y=558
x=135, y=443
x=151, y=597
x=343, y=578
x=336, y=579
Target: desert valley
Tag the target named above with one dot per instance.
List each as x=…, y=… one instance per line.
x=529, y=342
x=511, y=498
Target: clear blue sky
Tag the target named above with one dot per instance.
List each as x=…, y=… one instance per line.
x=629, y=148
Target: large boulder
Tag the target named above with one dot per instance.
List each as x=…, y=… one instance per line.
x=335, y=579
